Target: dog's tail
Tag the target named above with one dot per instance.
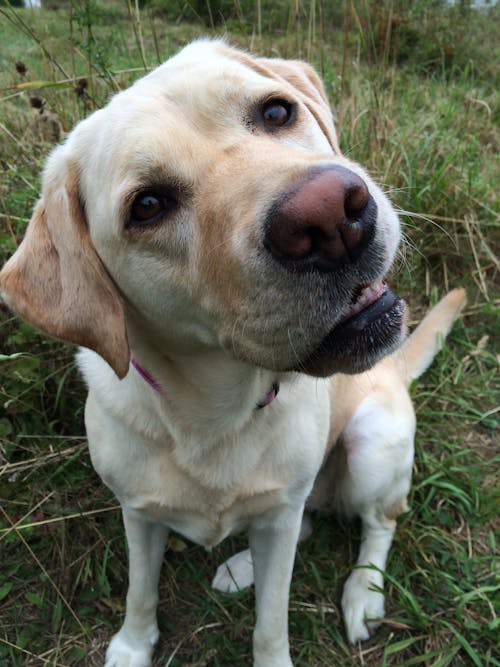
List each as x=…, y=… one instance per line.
x=420, y=348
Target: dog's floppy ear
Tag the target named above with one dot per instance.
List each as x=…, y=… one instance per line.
x=56, y=281
x=306, y=81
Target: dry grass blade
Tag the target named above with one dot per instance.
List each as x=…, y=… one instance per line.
x=9, y=469
x=47, y=522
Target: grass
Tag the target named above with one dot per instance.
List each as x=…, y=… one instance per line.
x=423, y=117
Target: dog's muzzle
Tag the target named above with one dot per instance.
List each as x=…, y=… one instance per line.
x=326, y=223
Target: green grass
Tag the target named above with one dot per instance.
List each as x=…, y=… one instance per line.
x=421, y=112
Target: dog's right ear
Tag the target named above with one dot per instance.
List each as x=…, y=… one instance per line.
x=56, y=281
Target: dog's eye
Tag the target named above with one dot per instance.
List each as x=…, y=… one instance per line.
x=276, y=113
x=149, y=207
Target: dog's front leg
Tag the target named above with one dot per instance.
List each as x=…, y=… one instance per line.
x=133, y=645
x=273, y=552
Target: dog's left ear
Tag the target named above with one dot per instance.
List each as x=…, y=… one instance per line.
x=306, y=81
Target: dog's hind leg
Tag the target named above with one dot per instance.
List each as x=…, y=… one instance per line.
x=363, y=598
x=133, y=645
x=377, y=452
x=235, y=573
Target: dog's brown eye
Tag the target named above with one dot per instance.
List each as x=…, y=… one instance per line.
x=146, y=207
x=276, y=113
x=149, y=207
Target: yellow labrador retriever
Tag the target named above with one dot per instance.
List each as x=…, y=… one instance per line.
x=206, y=243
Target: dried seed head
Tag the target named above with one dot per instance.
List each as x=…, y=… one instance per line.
x=37, y=102
x=20, y=68
x=81, y=87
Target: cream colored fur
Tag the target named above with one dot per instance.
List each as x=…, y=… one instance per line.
x=201, y=305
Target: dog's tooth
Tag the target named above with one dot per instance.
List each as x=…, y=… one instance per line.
x=366, y=296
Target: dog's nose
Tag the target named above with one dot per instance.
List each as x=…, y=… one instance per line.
x=324, y=222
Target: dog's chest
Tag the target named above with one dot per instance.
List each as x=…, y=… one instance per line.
x=164, y=493
x=207, y=490
x=216, y=520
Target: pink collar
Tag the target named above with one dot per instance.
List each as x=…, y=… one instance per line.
x=145, y=375
x=269, y=397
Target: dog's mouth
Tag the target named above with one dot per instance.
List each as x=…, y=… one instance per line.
x=363, y=298
x=370, y=326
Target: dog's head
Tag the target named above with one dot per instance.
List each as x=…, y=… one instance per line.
x=208, y=206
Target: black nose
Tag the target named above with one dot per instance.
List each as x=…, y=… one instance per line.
x=323, y=223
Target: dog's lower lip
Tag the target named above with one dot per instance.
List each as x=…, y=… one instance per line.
x=377, y=307
x=359, y=340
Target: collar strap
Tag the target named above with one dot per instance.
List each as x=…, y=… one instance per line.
x=145, y=375
x=270, y=396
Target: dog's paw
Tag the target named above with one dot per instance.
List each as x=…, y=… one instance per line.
x=235, y=574
x=124, y=653
x=362, y=605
